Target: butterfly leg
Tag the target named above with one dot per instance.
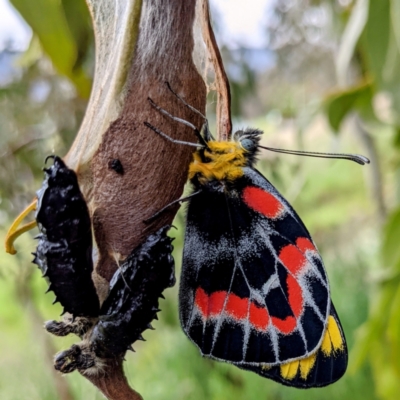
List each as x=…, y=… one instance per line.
x=207, y=132
x=80, y=357
x=78, y=326
x=184, y=102
x=180, y=120
x=164, y=135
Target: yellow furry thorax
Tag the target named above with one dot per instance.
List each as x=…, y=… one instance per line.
x=225, y=161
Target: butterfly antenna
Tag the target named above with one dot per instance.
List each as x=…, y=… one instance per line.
x=359, y=159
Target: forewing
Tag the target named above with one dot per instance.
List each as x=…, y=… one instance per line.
x=253, y=287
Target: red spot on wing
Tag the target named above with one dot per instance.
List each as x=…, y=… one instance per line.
x=305, y=244
x=286, y=325
x=259, y=317
x=237, y=307
x=295, y=295
x=201, y=301
x=262, y=202
x=209, y=305
x=216, y=303
x=292, y=258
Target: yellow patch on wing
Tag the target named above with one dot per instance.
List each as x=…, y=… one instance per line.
x=305, y=365
x=289, y=370
x=226, y=162
x=333, y=340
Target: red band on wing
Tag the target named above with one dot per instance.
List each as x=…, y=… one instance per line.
x=305, y=244
x=262, y=202
x=209, y=306
x=236, y=307
x=201, y=301
x=286, y=325
x=259, y=317
x=295, y=295
x=292, y=258
x=216, y=303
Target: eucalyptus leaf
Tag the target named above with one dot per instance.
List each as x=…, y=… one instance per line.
x=391, y=238
x=349, y=39
x=374, y=42
x=339, y=104
x=48, y=20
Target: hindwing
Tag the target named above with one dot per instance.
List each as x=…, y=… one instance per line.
x=325, y=366
x=253, y=288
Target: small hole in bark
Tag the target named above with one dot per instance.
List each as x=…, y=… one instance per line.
x=116, y=165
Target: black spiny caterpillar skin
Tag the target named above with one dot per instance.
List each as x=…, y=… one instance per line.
x=133, y=299
x=64, y=251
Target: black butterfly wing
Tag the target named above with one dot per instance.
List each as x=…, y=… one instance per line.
x=253, y=288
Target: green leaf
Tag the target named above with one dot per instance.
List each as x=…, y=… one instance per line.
x=48, y=20
x=395, y=16
x=374, y=42
x=354, y=28
x=393, y=329
x=339, y=104
x=391, y=238
x=79, y=23
x=396, y=137
x=373, y=330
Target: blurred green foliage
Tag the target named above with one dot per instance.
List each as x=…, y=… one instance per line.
x=376, y=60
x=65, y=34
x=335, y=68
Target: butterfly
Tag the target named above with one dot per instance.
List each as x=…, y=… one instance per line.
x=254, y=291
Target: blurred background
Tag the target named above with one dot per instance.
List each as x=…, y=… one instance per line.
x=318, y=75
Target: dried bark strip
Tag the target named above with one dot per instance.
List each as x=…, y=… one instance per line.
x=224, y=122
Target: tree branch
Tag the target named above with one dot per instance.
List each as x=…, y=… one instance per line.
x=113, y=383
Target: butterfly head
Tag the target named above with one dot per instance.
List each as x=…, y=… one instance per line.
x=248, y=140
